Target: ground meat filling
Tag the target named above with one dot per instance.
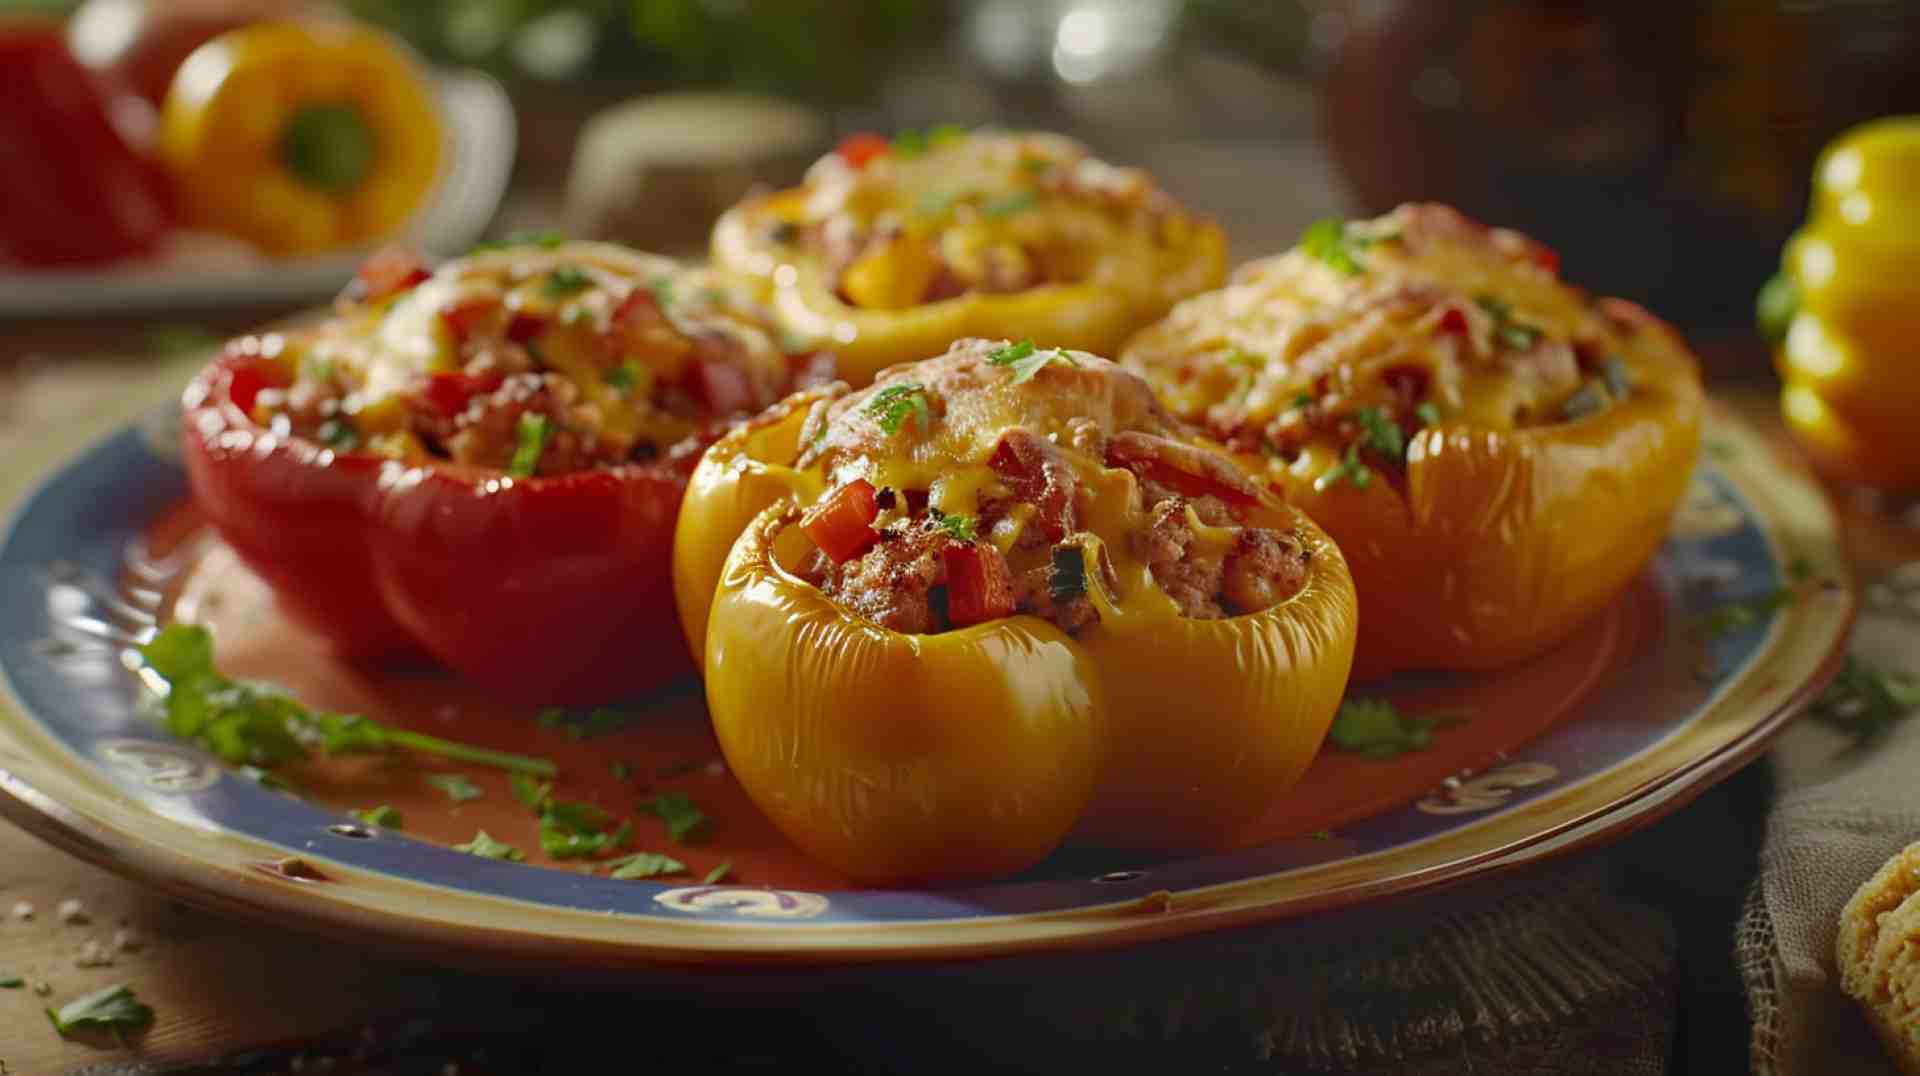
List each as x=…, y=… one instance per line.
x=902, y=580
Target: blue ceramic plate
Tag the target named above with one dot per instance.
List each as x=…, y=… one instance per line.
x=84, y=766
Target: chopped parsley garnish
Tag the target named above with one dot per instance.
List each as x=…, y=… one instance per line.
x=337, y=434
x=1017, y=202
x=1428, y=414
x=573, y=830
x=1774, y=310
x=1327, y=240
x=1591, y=399
x=456, y=785
x=725, y=868
x=644, y=865
x=114, y=1008
x=1380, y=434
x=383, y=816
x=545, y=239
x=1033, y=166
x=1505, y=329
x=959, y=528
x=564, y=281
x=1618, y=378
x=531, y=437
x=530, y=793
x=1374, y=728
x=621, y=771
x=1067, y=575
x=1737, y=616
x=1025, y=360
x=487, y=848
x=584, y=725
x=1864, y=701
x=895, y=404
x=911, y=143
x=12, y=982
x=662, y=289
x=248, y=724
x=1305, y=399
x=576, y=314
x=624, y=375
x=679, y=813
x=1350, y=469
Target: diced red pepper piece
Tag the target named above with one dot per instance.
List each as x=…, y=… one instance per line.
x=842, y=523
x=1182, y=468
x=723, y=387
x=858, y=149
x=1037, y=477
x=524, y=327
x=1545, y=257
x=466, y=317
x=391, y=271
x=1453, y=320
x=979, y=584
x=448, y=393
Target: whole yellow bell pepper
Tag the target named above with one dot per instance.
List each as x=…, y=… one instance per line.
x=1845, y=310
x=1496, y=454
x=972, y=752
x=301, y=136
x=891, y=250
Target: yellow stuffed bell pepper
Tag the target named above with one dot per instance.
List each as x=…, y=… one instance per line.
x=1845, y=310
x=1496, y=454
x=892, y=249
x=997, y=599
x=301, y=136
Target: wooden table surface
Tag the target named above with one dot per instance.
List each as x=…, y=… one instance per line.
x=281, y=1002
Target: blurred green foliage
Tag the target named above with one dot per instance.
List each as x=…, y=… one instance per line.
x=824, y=49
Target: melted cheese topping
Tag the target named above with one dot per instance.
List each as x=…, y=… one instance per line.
x=385, y=352
x=1476, y=317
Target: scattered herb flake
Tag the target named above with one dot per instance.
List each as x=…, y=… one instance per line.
x=1428, y=414
x=383, y=816
x=725, y=868
x=12, y=982
x=1067, y=578
x=1380, y=434
x=1741, y=614
x=1865, y=701
x=531, y=435
x=679, y=813
x=644, y=865
x=1025, y=360
x=530, y=793
x=624, y=375
x=1376, y=729
x=456, y=785
x=621, y=771
x=487, y=848
x=564, y=281
x=545, y=239
x=1326, y=240
x=112, y=1007
x=1321, y=835
x=662, y=289
x=337, y=434
x=1508, y=331
x=1017, y=202
x=1349, y=469
x=252, y=725
x=1776, y=306
x=959, y=528
x=896, y=403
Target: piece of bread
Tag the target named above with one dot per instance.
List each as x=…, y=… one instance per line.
x=1879, y=955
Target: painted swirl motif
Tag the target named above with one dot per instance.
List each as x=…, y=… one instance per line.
x=743, y=901
x=1488, y=790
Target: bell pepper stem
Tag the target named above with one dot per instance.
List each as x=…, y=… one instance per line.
x=459, y=752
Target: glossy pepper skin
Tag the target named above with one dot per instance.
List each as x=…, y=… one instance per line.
x=553, y=589
x=1496, y=453
x=1189, y=727
x=72, y=192
x=301, y=136
x=1846, y=310
x=1140, y=261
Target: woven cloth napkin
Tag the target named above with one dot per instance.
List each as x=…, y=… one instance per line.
x=1843, y=810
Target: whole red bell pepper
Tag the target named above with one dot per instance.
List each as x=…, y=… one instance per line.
x=553, y=590
x=72, y=192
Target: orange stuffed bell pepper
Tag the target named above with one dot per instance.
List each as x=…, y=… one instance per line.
x=484, y=461
x=1846, y=310
x=1496, y=454
x=893, y=249
x=998, y=598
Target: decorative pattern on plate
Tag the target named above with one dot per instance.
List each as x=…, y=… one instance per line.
x=1488, y=790
x=743, y=901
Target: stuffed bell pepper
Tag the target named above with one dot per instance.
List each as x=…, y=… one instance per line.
x=484, y=461
x=1496, y=454
x=998, y=598
x=892, y=249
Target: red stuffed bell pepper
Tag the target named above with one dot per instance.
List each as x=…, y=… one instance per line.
x=485, y=461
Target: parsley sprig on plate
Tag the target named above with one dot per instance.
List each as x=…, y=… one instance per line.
x=113, y=1008
x=256, y=725
x=1377, y=729
x=1865, y=701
